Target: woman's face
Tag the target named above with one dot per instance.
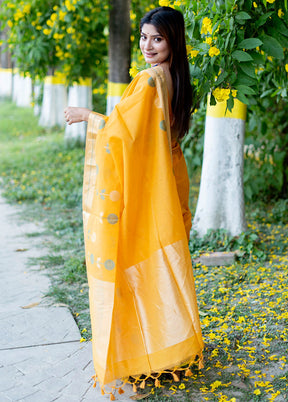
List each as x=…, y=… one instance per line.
x=154, y=46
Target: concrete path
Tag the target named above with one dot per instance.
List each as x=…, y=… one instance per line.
x=41, y=358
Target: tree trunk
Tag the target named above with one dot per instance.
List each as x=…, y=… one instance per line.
x=221, y=197
x=5, y=55
x=5, y=66
x=54, y=101
x=119, y=51
x=78, y=95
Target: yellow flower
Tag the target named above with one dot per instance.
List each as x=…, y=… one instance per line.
x=26, y=9
x=164, y=3
x=53, y=17
x=206, y=26
x=182, y=386
x=208, y=40
x=271, y=1
x=255, y=4
x=215, y=385
x=213, y=51
x=69, y=6
x=280, y=13
x=257, y=392
x=50, y=23
x=38, y=27
x=10, y=23
x=221, y=94
x=46, y=31
x=177, y=3
x=286, y=67
x=132, y=16
x=18, y=15
x=133, y=70
x=82, y=340
x=62, y=15
x=214, y=353
x=70, y=30
x=194, y=53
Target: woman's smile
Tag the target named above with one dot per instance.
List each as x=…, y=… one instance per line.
x=153, y=45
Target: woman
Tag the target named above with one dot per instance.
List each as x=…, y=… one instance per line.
x=136, y=218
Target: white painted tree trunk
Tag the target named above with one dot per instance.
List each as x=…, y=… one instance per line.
x=54, y=102
x=114, y=94
x=37, y=93
x=22, y=90
x=5, y=82
x=15, y=85
x=221, y=197
x=79, y=95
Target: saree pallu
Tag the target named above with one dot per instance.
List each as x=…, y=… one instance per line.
x=142, y=297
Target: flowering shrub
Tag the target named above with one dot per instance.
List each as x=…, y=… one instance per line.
x=67, y=35
x=236, y=45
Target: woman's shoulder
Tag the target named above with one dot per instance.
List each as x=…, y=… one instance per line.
x=145, y=78
x=156, y=71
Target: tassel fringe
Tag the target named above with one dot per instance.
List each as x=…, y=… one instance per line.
x=141, y=382
x=175, y=377
x=142, y=385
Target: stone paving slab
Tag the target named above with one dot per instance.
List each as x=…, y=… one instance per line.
x=41, y=358
x=33, y=327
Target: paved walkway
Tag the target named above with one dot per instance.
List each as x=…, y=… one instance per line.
x=41, y=358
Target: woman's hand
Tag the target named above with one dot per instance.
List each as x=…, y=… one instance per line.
x=76, y=114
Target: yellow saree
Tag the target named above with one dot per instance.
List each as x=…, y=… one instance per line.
x=142, y=298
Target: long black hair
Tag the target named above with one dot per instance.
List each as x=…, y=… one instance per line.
x=170, y=24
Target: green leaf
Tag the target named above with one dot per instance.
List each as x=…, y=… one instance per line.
x=230, y=103
x=250, y=43
x=248, y=192
x=268, y=92
x=221, y=78
x=279, y=25
x=242, y=15
x=212, y=100
x=239, y=55
x=261, y=21
x=243, y=79
x=242, y=98
x=245, y=90
x=257, y=57
x=228, y=5
x=248, y=69
x=272, y=47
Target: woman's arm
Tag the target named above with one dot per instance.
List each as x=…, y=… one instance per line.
x=76, y=114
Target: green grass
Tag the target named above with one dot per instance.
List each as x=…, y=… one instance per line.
x=243, y=307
